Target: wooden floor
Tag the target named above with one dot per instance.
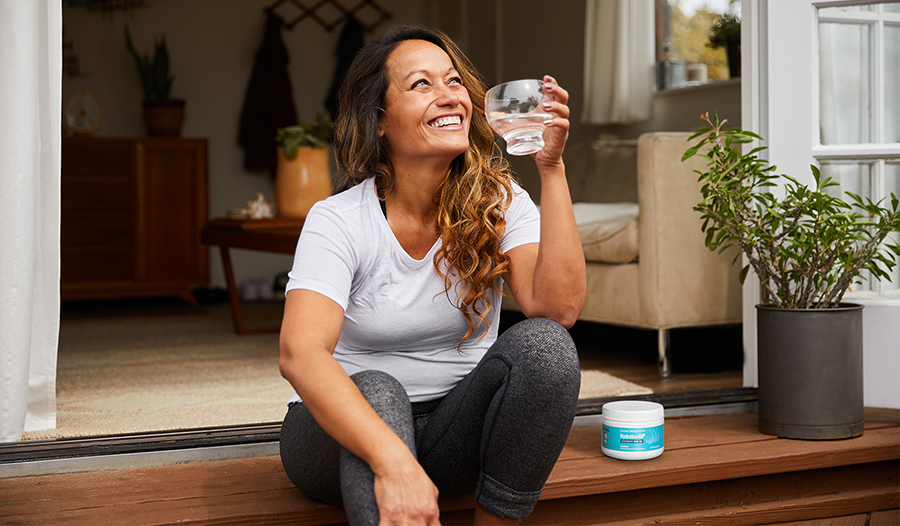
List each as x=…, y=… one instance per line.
x=715, y=470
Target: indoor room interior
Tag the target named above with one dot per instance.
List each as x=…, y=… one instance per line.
x=152, y=224
x=152, y=356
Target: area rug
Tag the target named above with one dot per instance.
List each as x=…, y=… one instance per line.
x=597, y=384
x=172, y=372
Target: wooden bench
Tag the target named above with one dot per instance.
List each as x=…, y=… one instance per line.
x=715, y=470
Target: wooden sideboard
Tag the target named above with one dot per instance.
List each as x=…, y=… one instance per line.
x=132, y=210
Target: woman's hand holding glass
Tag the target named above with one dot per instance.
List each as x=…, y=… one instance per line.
x=521, y=111
x=556, y=129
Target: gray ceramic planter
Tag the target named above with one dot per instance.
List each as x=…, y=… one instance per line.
x=810, y=372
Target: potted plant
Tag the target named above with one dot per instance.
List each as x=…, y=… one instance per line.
x=162, y=114
x=726, y=32
x=807, y=248
x=303, y=174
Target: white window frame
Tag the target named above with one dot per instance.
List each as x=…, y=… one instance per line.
x=875, y=153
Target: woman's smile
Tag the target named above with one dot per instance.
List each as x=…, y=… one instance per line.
x=447, y=121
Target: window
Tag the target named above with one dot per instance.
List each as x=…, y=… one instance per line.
x=683, y=50
x=858, y=111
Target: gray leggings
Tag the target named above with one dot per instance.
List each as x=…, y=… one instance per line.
x=498, y=433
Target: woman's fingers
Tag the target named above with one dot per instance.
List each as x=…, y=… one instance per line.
x=409, y=513
x=557, y=100
x=558, y=109
x=406, y=497
x=554, y=91
x=557, y=127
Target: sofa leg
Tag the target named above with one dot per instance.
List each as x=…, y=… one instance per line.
x=664, y=344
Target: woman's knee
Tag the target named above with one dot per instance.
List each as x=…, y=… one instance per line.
x=379, y=387
x=388, y=398
x=545, y=347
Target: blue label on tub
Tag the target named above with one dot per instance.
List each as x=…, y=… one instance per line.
x=633, y=438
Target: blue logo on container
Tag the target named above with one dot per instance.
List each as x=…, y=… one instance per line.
x=633, y=439
x=654, y=437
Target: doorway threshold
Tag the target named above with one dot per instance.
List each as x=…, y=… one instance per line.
x=42, y=457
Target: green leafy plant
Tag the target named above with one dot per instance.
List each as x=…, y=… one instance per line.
x=314, y=134
x=807, y=247
x=726, y=28
x=155, y=76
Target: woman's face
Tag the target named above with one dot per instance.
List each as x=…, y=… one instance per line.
x=428, y=109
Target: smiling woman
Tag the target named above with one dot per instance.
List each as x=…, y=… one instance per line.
x=404, y=389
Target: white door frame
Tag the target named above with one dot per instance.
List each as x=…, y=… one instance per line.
x=769, y=110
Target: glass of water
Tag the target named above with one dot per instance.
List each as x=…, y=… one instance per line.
x=515, y=111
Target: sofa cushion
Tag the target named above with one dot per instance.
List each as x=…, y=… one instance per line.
x=608, y=231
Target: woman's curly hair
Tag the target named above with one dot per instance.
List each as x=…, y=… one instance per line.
x=475, y=193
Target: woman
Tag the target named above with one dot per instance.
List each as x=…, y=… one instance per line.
x=404, y=389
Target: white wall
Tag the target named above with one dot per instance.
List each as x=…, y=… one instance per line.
x=212, y=45
x=881, y=353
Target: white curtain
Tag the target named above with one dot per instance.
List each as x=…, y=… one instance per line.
x=30, y=145
x=618, y=61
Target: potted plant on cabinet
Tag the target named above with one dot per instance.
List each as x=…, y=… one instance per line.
x=303, y=175
x=807, y=248
x=163, y=115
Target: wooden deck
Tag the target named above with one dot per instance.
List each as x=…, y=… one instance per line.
x=715, y=470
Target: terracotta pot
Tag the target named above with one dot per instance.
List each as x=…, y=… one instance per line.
x=302, y=181
x=164, y=117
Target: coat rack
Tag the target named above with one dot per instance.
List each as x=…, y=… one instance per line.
x=313, y=12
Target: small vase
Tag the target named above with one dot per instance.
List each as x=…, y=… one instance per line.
x=811, y=372
x=164, y=117
x=670, y=75
x=302, y=181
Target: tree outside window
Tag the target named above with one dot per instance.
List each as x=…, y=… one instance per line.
x=683, y=31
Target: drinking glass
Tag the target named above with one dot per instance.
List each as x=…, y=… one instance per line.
x=514, y=110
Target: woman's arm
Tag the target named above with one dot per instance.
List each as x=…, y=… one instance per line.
x=309, y=333
x=548, y=279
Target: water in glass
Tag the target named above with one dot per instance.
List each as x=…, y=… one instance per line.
x=514, y=111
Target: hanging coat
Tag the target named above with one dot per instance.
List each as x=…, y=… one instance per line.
x=269, y=101
x=350, y=41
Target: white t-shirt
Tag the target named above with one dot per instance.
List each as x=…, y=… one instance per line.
x=397, y=318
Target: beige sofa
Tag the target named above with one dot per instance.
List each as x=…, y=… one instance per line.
x=647, y=264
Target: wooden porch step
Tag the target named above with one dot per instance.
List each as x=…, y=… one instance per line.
x=715, y=470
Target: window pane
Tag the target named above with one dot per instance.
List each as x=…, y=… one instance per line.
x=892, y=178
x=892, y=185
x=892, y=83
x=853, y=177
x=838, y=10
x=892, y=7
x=844, y=91
x=689, y=25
